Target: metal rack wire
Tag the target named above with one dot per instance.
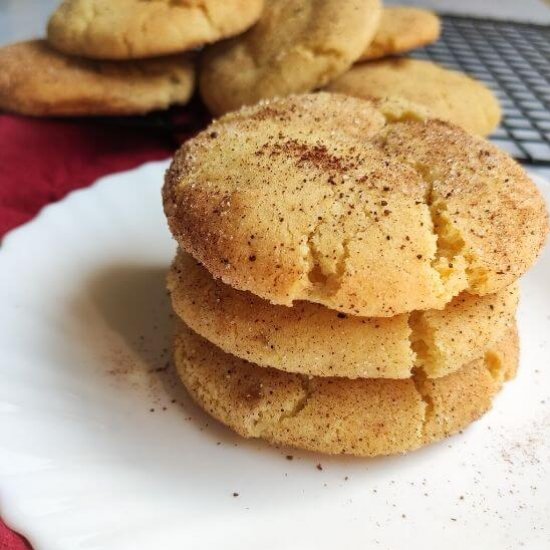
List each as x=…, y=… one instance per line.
x=513, y=59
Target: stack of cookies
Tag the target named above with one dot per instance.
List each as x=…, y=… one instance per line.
x=130, y=57
x=123, y=57
x=346, y=280
x=349, y=47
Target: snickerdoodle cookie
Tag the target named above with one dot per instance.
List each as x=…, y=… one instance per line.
x=37, y=80
x=403, y=28
x=297, y=46
x=326, y=198
x=133, y=29
x=365, y=417
x=450, y=95
x=311, y=339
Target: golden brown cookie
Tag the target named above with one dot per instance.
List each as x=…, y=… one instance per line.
x=449, y=95
x=311, y=339
x=364, y=417
x=37, y=80
x=328, y=199
x=403, y=28
x=134, y=29
x=297, y=46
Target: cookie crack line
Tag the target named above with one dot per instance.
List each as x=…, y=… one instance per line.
x=315, y=272
x=312, y=257
x=418, y=379
x=299, y=405
x=492, y=362
x=328, y=284
x=418, y=343
x=436, y=208
x=341, y=266
x=495, y=366
x=450, y=260
x=453, y=259
x=303, y=401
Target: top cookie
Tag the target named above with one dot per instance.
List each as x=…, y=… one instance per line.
x=402, y=29
x=132, y=29
x=297, y=46
x=324, y=198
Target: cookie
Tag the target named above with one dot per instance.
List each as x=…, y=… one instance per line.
x=450, y=95
x=329, y=199
x=37, y=80
x=402, y=28
x=311, y=339
x=364, y=417
x=297, y=46
x=134, y=29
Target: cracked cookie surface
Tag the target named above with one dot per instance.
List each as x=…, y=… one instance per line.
x=297, y=46
x=37, y=80
x=402, y=28
x=450, y=95
x=314, y=340
x=133, y=29
x=364, y=417
x=335, y=200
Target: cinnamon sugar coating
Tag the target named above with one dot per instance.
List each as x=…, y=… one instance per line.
x=336, y=200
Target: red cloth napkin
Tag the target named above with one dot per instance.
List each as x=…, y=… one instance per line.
x=10, y=540
x=41, y=160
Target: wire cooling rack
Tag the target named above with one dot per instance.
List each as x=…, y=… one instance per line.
x=513, y=59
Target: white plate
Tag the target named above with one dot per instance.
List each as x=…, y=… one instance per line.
x=85, y=464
